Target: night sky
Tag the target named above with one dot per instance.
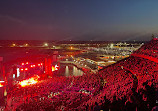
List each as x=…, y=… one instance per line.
x=97, y=20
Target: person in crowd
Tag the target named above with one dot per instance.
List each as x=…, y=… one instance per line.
x=97, y=107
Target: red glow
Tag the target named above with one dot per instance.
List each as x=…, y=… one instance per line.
x=39, y=64
x=22, y=69
x=32, y=80
x=26, y=69
x=31, y=66
x=1, y=85
x=54, y=68
x=34, y=65
x=27, y=62
x=22, y=63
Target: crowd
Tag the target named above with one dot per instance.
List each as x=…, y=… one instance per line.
x=128, y=85
x=149, y=49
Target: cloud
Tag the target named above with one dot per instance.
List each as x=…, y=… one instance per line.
x=13, y=19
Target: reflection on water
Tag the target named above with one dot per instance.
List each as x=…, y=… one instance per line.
x=69, y=70
x=77, y=72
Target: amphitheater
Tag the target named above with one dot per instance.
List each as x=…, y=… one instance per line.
x=134, y=77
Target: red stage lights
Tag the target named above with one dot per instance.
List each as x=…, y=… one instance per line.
x=22, y=64
x=26, y=69
x=32, y=66
x=27, y=62
x=22, y=69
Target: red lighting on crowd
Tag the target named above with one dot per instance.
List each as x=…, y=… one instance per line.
x=22, y=69
x=22, y=64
